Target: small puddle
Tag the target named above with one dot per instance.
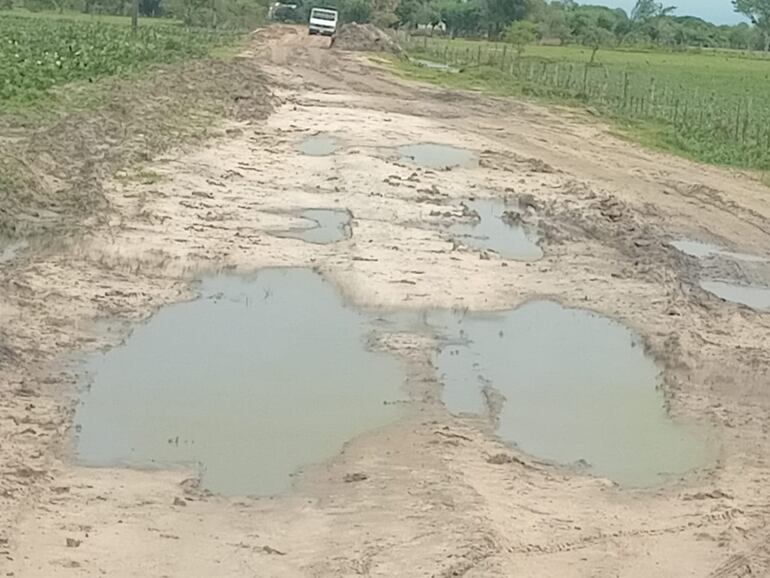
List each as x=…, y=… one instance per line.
x=437, y=156
x=568, y=386
x=434, y=65
x=497, y=231
x=701, y=250
x=330, y=226
x=250, y=382
x=751, y=296
x=318, y=146
x=10, y=251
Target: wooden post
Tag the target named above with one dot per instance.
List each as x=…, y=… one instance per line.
x=135, y=15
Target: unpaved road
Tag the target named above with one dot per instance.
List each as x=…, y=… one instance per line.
x=432, y=503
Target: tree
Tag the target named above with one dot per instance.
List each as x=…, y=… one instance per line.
x=758, y=11
x=500, y=13
x=646, y=10
x=461, y=18
x=595, y=38
x=359, y=11
x=521, y=33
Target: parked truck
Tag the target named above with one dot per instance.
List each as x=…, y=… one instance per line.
x=323, y=21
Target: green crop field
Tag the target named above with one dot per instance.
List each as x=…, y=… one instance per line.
x=710, y=105
x=39, y=52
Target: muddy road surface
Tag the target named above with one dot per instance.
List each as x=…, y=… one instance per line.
x=414, y=489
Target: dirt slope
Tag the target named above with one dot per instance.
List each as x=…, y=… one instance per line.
x=433, y=502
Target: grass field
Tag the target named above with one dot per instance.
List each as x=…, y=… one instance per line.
x=711, y=106
x=41, y=51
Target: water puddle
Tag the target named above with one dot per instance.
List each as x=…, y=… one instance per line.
x=497, y=230
x=252, y=381
x=751, y=296
x=320, y=145
x=330, y=226
x=701, y=250
x=434, y=65
x=9, y=251
x=568, y=386
x=437, y=156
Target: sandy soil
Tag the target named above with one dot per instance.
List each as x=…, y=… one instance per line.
x=432, y=503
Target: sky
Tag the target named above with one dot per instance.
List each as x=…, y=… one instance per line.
x=717, y=11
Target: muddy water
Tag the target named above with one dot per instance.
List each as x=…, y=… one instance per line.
x=318, y=146
x=703, y=250
x=252, y=381
x=437, y=156
x=567, y=386
x=326, y=226
x=490, y=232
x=751, y=296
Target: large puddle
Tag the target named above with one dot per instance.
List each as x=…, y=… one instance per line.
x=262, y=376
x=437, y=156
x=320, y=145
x=568, y=386
x=751, y=296
x=252, y=381
x=496, y=231
x=326, y=226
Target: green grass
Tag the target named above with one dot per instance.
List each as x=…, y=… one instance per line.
x=44, y=51
x=710, y=106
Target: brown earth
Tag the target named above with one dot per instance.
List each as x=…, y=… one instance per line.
x=438, y=496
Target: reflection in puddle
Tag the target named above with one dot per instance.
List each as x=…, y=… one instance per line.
x=318, y=146
x=702, y=250
x=437, y=156
x=331, y=225
x=751, y=296
x=253, y=381
x=567, y=385
x=497, y=231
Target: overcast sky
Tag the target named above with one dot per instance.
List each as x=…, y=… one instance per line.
x=718, y=11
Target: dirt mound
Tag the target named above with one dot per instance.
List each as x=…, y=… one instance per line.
x=365, y=38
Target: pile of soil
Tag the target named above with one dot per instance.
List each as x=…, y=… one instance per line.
x=365, y=38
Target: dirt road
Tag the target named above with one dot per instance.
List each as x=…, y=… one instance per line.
x=431, y=501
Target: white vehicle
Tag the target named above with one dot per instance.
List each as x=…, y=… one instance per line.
x=323, y=21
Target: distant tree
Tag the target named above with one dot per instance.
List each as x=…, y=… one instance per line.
x=521, y=33
x=406, y=10
x=742, y=37
x=646, y=10
x=758, y=11
x=150, y=7
x=595, y=37
x=461, y=18
x=553, y=23
x=499, y=14
x=359, y=11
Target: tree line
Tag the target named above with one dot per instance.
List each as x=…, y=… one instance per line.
x=519, y=21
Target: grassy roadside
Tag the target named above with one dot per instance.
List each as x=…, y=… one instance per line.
x=707, y=107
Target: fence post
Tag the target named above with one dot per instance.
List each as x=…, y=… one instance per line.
x=625, y=90
x=651, y=112
x=585, y=81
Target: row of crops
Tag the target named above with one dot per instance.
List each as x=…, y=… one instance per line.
x=38, y=53
x=714, y=121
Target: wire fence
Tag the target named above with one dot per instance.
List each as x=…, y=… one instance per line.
x=715, y=127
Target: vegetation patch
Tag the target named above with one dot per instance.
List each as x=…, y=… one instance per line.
x=39, y=53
